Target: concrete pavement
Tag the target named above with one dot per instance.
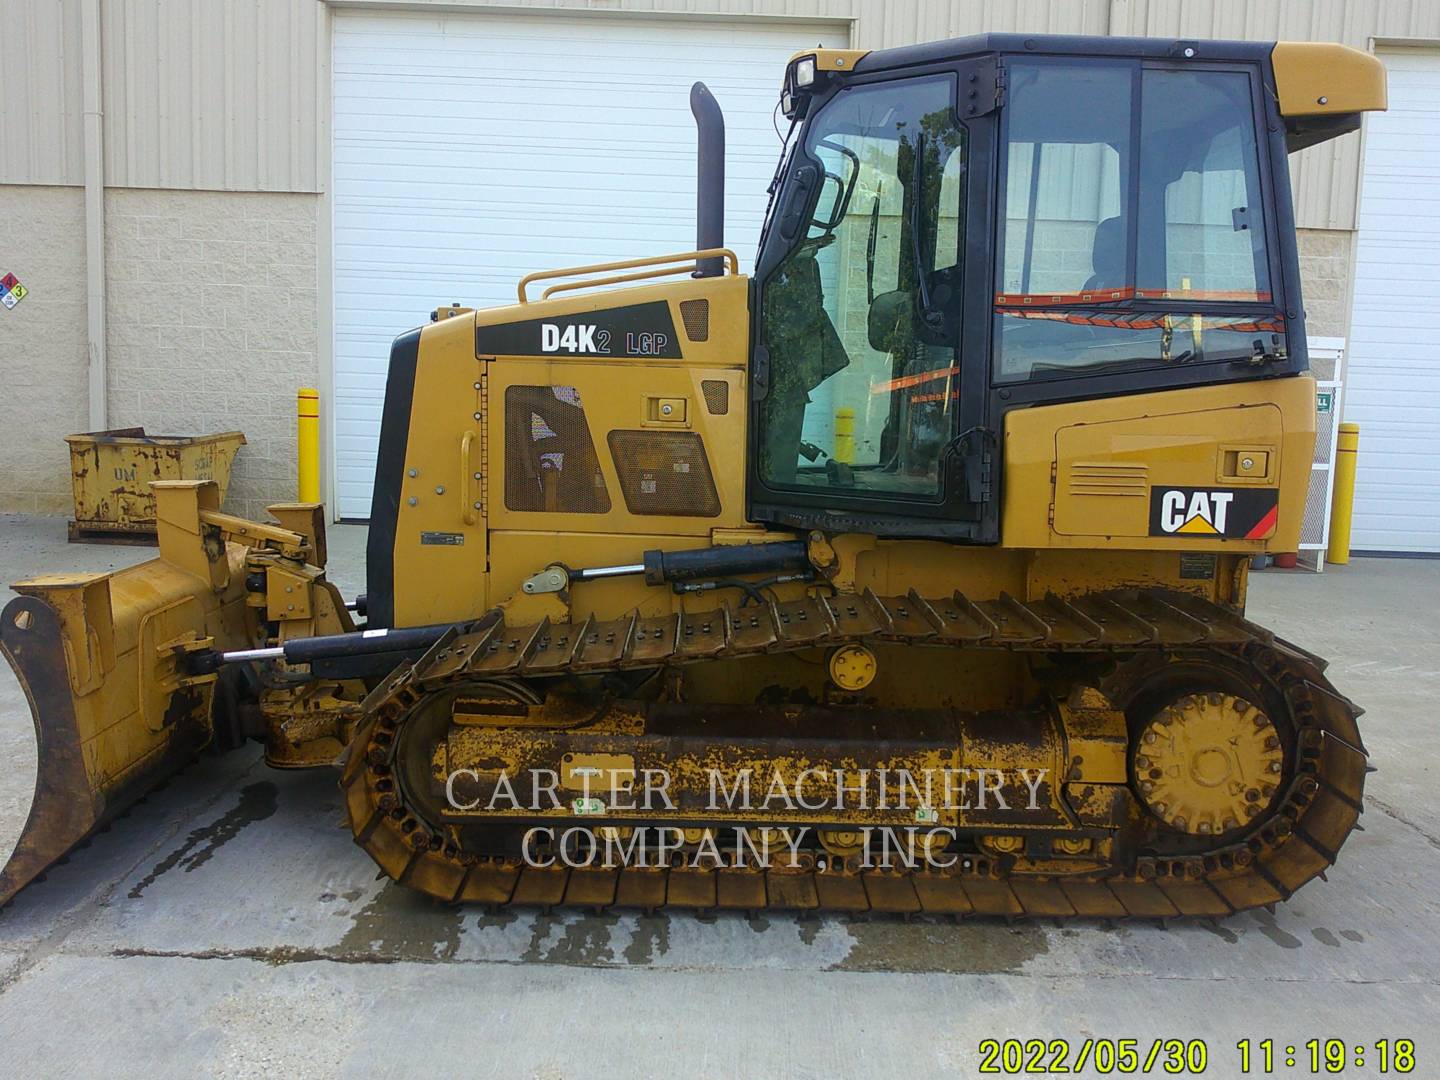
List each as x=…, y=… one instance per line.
x=229, y=926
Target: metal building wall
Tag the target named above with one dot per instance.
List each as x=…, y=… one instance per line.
x=884, y=24
x=41, y=121
x=202, y=96
x=230, y=96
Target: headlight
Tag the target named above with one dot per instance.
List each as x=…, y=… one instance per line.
x=805, y=72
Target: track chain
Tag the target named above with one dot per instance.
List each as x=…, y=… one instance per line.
x=1295, y=842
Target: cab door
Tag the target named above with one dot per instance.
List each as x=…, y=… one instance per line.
x=864, y=415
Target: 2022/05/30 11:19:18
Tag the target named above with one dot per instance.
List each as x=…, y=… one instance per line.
x=1327, y=1056
x=1192, y=1057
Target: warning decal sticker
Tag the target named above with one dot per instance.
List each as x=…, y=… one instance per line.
x=1229, y=513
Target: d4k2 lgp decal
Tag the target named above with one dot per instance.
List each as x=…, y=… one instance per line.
x=635, y=330
x=1232, y=513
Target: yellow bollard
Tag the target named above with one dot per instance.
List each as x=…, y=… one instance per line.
x=845, y=436
x=1342, y=500
x=307, y=419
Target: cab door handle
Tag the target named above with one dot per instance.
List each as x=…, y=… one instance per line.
x=467, y=479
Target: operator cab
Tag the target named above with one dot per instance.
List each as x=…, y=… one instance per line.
x=968, y=227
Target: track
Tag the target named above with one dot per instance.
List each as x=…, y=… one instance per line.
x=1294, y=842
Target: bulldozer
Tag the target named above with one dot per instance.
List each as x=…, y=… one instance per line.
x=904, y=575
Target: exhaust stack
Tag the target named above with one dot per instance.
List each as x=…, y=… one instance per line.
x=710, y=177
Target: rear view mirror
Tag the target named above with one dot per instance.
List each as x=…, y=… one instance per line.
x=830, y=208
x=842, y=169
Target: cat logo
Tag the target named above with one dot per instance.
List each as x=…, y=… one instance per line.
x=1245, y=513
x=1202, y=512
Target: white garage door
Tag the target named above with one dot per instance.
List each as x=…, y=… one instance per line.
x=1393, y=385
x=470, y=150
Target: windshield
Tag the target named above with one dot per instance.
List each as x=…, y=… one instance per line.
x=860, y=319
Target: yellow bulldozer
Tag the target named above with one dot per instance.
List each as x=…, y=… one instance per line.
x=905, y=575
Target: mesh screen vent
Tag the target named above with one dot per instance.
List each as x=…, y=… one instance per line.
x=550, y=460
x=717, y=396
x=695, y=314
x=664, y=472
x=1312, y=524
x=1324, y=422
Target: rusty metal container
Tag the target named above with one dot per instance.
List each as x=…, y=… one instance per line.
x=111, y=473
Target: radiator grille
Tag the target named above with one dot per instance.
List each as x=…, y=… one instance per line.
x=550, y=461
x=717, y=396
x=664, y=472
x=695, y=314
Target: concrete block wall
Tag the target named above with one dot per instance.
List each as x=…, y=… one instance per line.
x=43, y=355
x=1326, y=257
x=213, y=310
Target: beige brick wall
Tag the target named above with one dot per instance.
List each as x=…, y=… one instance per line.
x=42, y=345
x=211, y=326
x=213, y=310
x=1325, y=262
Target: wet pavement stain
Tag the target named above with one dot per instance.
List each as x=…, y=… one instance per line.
x=979, y=948
x=495, y=920
x=651, y=939
x=539, y=933
x=257, y=802
x=401, y=924
x=1325, y=937
x=1224, y=933
x=1352, y=935
x=1271, y=929
x=584, y=942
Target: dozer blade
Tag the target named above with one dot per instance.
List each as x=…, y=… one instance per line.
x=99, y=658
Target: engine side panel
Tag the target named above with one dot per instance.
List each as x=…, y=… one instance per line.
x=616, y=414
x=1207, y=469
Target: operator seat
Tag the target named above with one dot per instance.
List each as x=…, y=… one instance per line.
x=1107, y=256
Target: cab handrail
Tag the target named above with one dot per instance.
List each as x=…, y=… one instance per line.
x=692, y=257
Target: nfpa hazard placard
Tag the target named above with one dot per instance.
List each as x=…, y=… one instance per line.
x=1234, y=513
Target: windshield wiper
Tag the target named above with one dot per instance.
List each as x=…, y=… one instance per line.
x=929, y=315
x=870, y=247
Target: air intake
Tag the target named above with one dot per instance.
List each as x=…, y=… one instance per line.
x=664, y=472
x=550, y=462
x=695, y=314
x=717, y=396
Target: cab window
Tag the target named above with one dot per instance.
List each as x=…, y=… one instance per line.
x=1129, y=244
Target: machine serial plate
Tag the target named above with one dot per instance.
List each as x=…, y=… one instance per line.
x=1197, y=567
